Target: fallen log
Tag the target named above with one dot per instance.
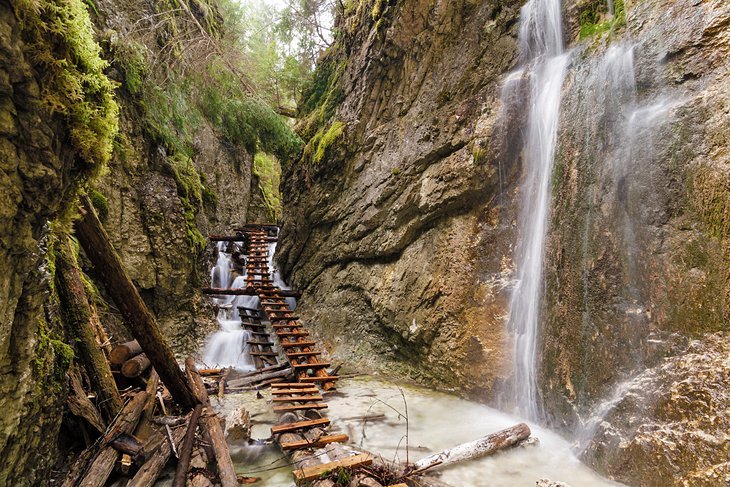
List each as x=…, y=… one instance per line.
x=183, y=465
x=135, y=366
x=79, y=315
x=137, y=317
x=248, y=291
x=487, y=445
x=246, y=381
x=147, y=475
x=123, y=352
x=80, y=405
x=210, y=424
x=102, y=464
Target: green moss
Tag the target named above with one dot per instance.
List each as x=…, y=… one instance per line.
x=130, y=58
x=327, y=139
x=74, y=84
x=395, y=171
x=378, y=8
x=321, y=96
x=100, y=203
x=591, y=23
x=190, y=189
x=268, y=170
x=171, y=117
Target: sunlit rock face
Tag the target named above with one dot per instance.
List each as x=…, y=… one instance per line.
x=671, y=425
x=401, y=237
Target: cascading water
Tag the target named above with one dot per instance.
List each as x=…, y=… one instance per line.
x=220, y=275
x=544, y=63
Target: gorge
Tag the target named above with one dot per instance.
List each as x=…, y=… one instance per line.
x=523, y=204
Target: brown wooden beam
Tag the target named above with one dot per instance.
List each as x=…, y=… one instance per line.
x=248, y=291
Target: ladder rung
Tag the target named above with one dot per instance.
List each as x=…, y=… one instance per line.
x=321, y=365
x=303, y=354
x=298, y=407
x=256, y=342
x=287, y=392
x=329, y=378
x=292, y=333
x=263, y=354
x=297, y=344
x=318, y=443
x=293, y=385
x=297, y=399
x=283, y=318
x=286, y=428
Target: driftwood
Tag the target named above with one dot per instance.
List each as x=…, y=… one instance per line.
x=247, y=381
x=124, y=351
x=135, y=366
x=147, y=475
x=80, y=405
x=127, y=444
x=137, y=317
x=487, y=445
x=79, y=315
x=212, y=428
x=102, y=464
x=186, y=451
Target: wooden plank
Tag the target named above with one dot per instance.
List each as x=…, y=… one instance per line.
x=329, y=378
x=318, y=443
x=248, y=291
x=299, y=407
x=256, y=342
x=301, y=425
x=292, y=333
x=303, y=354
x=314, y=472
x=297, y=399
x=320, y=365
x=280, y=318
x=276, y=392
x=288, y=325
x=297, y=344
x=293, y=385
x=263, y=354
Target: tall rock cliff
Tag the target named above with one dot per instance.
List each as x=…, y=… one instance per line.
x=400, y=221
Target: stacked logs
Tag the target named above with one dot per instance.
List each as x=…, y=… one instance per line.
x=137, y=409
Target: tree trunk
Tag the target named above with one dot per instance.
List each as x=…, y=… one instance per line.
x=247, y=381
x=124, y=351
x=147, y=475
x=78, y=314
x=183, y=465
x=135, y=366
x=209, y=422
x=137, y=317
x=79, y=403
x=479, y=448
x=103, y=462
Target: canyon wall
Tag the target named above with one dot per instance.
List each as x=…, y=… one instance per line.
x=400, y=220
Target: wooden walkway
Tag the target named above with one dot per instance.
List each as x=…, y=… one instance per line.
x=303, y=428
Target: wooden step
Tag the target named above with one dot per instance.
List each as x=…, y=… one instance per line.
x=281, y=327
x=298, y=407
x=318, y=443
x=297, y=399
x=301, y=425
x=263, y=354
x=297, y=344
x=303, y=354
x=283, y=318
x=314, y=472
x=256, y=342
x=321, y=365
x=289, y=392
x=292, y=333
x=329, y=378
x=254, y=325
x=292, y=385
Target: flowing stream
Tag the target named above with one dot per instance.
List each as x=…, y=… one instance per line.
x=436, y=421
x=544, y=64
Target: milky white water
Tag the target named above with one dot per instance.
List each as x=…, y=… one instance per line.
x=437, y=421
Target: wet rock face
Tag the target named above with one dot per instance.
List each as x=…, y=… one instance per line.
x=672, y=424
x=146, y=218
x=35, y=175
x=383, y=235
x=637, y=259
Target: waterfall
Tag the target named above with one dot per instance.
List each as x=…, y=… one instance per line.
x=228, y=347
x=544, y=63
x=220, y=275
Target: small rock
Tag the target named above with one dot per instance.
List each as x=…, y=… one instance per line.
x=550, y=483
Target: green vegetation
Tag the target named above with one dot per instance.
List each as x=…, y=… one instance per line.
x=75, y=85
x=317, y=147
x=192, y=192
x=100, y=203
x=592, y=23
x=268, y=170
